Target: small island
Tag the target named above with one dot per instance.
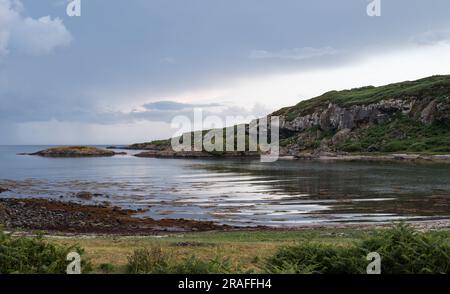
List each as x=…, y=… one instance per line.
x=75, y=151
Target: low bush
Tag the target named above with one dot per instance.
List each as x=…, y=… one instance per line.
x=316, y=258
x=407, y=251
x=154, y=261
x=106, y=268
x=395, y=146
x=193, y=265
x=351, y=147
x=147, y=260
x=26, y=255
x=403, y=250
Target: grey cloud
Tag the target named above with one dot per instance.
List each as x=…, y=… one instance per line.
x=168, y=60
x=294, y=54
x=14, y=109
x=223, y=113
x=171, y=105
x=166, y=111
x=28, y=35
x=432, y=37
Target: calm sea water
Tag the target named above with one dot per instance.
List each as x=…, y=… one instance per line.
x=236, y=192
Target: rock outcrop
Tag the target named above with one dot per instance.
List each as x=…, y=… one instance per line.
x=84, y=195
x=76, y=151
x=336, y=118
x=326, y=129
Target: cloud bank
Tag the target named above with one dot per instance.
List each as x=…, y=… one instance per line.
x=27, y=35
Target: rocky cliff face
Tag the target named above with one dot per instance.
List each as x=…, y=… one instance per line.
x=326, y=128
x=337, y=118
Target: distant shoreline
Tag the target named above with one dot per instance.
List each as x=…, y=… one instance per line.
x=105, y=151
x=325, y=157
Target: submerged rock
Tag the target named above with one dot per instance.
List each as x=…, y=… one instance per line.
x=85, y=195
x=3, y=190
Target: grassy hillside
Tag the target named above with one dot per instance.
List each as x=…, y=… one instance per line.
x=401, y=134
x=398, y=132
x=435, y=86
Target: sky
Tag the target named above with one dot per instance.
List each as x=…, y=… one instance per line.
x=122, y=70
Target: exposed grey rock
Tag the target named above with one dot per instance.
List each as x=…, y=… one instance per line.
x=343, y=122
x=85, y=195
x=324, y=146
x=428, y=113
x=339, y=118
x=341, y=136
x=336, y=118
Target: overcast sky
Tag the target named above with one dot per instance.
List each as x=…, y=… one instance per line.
x=122, y=70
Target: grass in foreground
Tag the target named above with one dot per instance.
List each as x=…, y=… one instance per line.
x=312, y=251
x=318, y=251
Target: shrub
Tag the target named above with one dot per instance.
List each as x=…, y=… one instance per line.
x=407, y=251
x=316, y=258
x=351, y=147
x=403, y=251
x=418, y=147
x=154, y=261
x=106, y=267
x=146, y=260
x=193, y=265
x=395, y=146
x=24, y=255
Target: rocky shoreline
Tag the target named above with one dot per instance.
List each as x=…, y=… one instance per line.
x=414, y=158
x=195, y=154
x=320, y=156
x=56, y=216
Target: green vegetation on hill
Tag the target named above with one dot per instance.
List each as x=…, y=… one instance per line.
x=435, y=86
x=166, y=144
x=400, y=134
